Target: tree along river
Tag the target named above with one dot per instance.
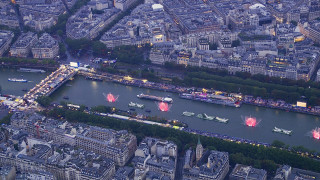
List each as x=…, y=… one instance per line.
x=90, y=93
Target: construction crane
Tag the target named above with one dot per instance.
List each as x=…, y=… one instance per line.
x=39, y=128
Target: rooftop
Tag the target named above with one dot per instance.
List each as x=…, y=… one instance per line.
x=83, y=22
x=4, y=37
x=24, y=40
x=248, y=172
x=46, y=41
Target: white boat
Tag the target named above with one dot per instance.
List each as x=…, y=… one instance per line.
x=205, y=116
x=17, y=80
x=222, y=120
x=186, y=113
x=31, y=70
x=283, y=131
x=132, y=104
x=167, y=99
x=155, y=98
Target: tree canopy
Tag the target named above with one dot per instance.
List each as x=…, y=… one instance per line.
x=44, y=101
x=129, y=54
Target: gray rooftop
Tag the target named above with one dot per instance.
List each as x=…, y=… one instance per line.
x=46, y=41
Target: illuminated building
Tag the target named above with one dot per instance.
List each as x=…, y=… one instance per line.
x=46, y=47
x=22, y=47
x=116, y=145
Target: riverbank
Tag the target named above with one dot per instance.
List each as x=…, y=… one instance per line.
x=247, y=99
x=17, y=66
x=184, y=140
x=13, y=62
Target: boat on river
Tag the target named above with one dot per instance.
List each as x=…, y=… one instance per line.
x=31, y=70
x=155, y=98
x=17, y=80
x=136, y=105
x=205, y=116
x=213, y=99
x=186, y=113
x=222, y=120
x=282, y=131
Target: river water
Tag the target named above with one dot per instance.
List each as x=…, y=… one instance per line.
x=90, y=93
x=15, y=88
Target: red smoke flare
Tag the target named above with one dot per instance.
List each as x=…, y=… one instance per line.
x=316, y=133
x=251, y=122
x=111, y=98
x=164, y=107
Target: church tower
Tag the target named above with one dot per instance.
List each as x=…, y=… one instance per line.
x=199, y=150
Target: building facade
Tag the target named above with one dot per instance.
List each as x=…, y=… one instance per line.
x=45, y=48
x=22, y=47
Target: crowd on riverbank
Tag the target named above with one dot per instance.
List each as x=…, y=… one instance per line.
x=280, y=104
x=246, y=99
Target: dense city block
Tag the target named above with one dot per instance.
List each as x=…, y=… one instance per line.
x=180, y=58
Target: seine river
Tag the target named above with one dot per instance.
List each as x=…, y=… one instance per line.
x=14, y=88
x=90, y=93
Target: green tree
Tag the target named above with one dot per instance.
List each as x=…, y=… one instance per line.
x=278, y=144
x=60, y=32
x=6, y=119
x=99, y=49
x=78, y=44
x=62, y=50
x=82, y=108
x=129, y=54
x=44, y=101
x=101, y=109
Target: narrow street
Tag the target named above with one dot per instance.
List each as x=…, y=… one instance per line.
x=16, y=9
x=179, y=168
